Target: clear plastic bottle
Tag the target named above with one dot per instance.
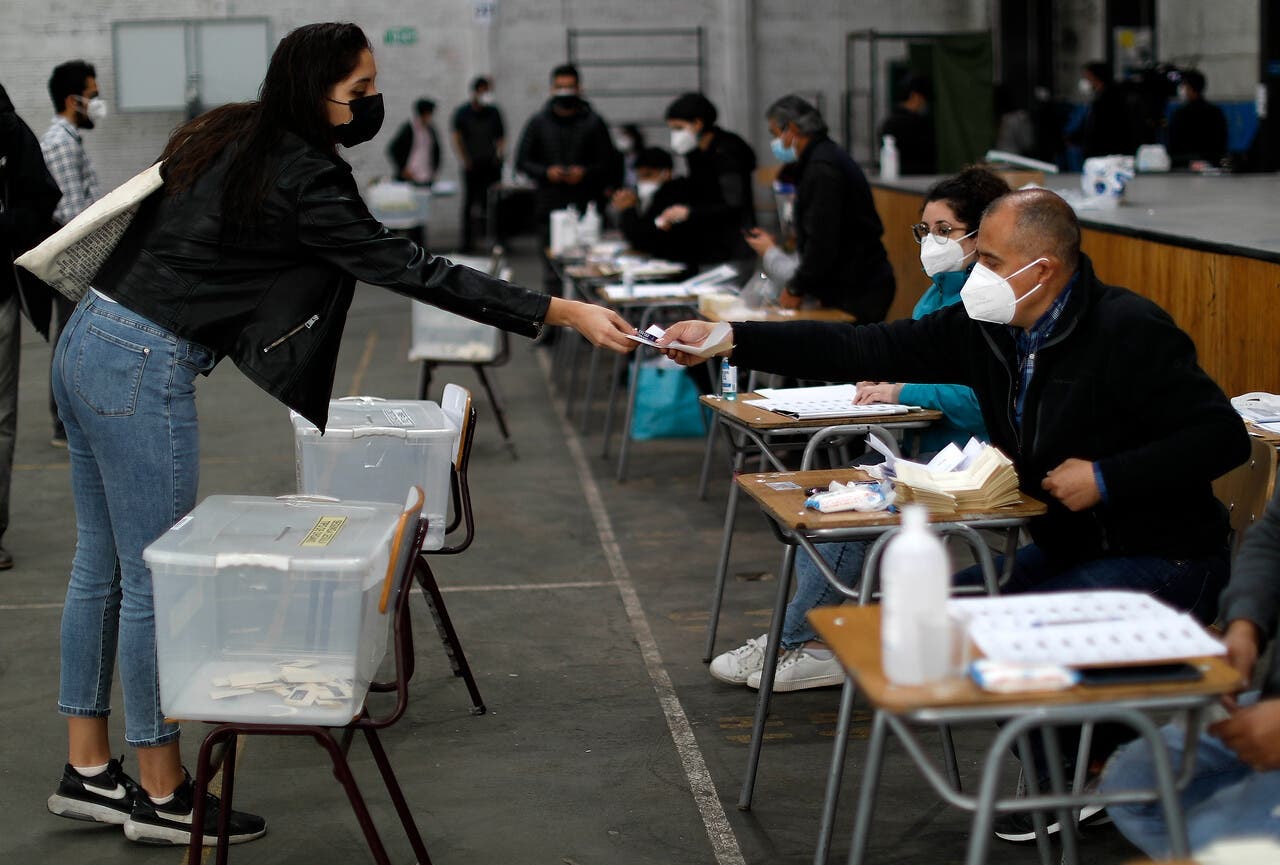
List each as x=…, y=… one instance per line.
x=915, y=583
x=888, y=158
x=589, y=226
x=728, y=380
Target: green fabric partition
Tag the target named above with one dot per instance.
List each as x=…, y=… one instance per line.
x=963, y=97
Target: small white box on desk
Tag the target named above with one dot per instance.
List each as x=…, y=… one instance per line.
x=374, y=450
x=267, y=610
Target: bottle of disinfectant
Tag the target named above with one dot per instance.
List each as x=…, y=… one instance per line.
x=915, y=583
x=728, y=380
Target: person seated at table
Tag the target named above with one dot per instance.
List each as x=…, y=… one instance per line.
x=1235, y=791
x=842, y=263
x=946, y=234
x=640, y=210
x=1198, y=128
x=1092, y=390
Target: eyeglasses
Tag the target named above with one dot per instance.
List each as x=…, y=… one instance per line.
x=941, y=232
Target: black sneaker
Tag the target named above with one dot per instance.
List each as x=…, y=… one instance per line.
x=170, y=823
x=105, y=798
x=1019, y=828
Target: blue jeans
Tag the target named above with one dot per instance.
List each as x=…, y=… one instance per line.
x=126, y=394
x=1225, y=798
x=1188, y=584
x=812, y=590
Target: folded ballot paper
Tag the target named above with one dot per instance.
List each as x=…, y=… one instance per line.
x=976, y=478
x=720, y=339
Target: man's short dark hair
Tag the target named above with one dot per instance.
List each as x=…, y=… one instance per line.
x=797, y=110
x=915, y=84
x=480, y=81
x=1194, y=80
x=68, y=79
x=425, y=106
x=566, y=70
x=654, y=157
x=1044, y=221
x=693, y=106
x=1100, y=70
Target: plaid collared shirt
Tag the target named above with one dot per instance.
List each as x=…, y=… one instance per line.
x=1029, y=342
x=70, y=166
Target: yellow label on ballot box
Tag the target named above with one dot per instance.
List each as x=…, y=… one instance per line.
x=324, y=531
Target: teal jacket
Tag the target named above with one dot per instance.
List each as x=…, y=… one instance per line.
x=963, y=417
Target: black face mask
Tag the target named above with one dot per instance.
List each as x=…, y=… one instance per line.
x=566, y=104
x=366, y=119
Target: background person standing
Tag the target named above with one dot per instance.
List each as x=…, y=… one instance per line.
x=479, y=139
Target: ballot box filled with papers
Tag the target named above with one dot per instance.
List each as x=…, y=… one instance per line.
x=269, y=610
x=374, y=450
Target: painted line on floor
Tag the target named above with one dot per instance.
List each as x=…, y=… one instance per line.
x=51, y=605
x=366, y=358
x=723, y=841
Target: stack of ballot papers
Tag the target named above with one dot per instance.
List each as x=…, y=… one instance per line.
x=979, y=477
x=824, y=401
x=1082, y=629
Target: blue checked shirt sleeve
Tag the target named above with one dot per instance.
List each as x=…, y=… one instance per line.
x=69, y=165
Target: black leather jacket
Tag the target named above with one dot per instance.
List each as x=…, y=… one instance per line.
x=276, y=301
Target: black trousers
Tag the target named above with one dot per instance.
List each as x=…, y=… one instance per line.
x=476, y=182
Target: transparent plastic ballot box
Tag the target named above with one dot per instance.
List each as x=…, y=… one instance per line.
x=447, y=338
x=374, y=450
x=267, y=610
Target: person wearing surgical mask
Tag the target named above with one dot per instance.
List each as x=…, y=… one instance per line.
x=721, y=204
x=639, y=210
x=78, y=106
x=629, y=141
x=567, y=151
x=1108, y=126
x=480, y=141
x=1093, y=392
x=948, y=246
x=1198, y=128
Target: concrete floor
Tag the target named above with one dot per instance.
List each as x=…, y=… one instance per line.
x=582, y=652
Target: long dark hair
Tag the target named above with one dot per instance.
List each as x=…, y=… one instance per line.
x=293, y=98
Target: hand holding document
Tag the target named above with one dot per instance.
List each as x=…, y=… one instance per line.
x=719, y=339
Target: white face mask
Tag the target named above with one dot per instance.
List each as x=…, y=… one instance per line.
x=987, y=296
x=95, y=109
x=683, y=140
x=940, y=255
x=486, y=98
x=645, y=190
x=1085, y=88
x=622, y=143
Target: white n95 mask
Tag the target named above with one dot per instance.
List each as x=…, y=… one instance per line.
x=942, y=254
x=645, y=190
x=987, y=296
x=683, y=141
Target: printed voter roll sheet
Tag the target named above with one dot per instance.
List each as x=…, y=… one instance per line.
x=1082, y=629
x=824, y=401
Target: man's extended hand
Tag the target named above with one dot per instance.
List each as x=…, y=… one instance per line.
x=1073, y=484
x=759, y=240
x=624, y=199
x=557, y=174
x=1254, y=734
x=690, y=333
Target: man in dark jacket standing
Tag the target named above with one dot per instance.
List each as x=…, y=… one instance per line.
x=721, y=205
x=566, y=149
x=842, y=261
x=28, y=196
x=479, y=139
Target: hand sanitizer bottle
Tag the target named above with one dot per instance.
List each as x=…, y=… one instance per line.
x=889, y=158
x=915, y=583
x=728, y=380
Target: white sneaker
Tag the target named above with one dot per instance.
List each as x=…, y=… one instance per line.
x=734, y=667
x=798, y=670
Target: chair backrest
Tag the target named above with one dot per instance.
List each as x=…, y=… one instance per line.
x=402, y=551
x=458, y=406
x=1246, y=489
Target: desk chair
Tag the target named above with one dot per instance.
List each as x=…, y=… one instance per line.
x=1246, y=489
x=497, y=266
x=411, y=531
x=457, y=406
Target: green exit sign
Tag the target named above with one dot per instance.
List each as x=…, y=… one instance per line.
x=400, y=36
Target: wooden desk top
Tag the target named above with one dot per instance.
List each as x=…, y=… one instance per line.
x=1270, y=438
x=759, y=419
x=853, y=633
x=787, y=508
x=779, y=314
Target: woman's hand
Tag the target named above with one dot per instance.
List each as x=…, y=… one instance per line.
x=877, y=391
x=759, y=240
x=600, y=325
x=691, y=332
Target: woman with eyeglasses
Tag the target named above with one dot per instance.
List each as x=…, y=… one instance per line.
x=947, y=233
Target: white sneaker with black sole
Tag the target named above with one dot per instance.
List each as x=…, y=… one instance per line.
x=107, y=797
x=170, y=823
x=801, y=669
x=736, y=666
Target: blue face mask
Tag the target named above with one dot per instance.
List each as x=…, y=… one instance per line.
x=781, y=152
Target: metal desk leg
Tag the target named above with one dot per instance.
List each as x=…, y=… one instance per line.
x=592, y=370
x=770, y=669
x=708, y=452
x=835, y=772
x=722, y=568
x=624, y=451
x=1057, y=784
x=867, y=795
x=1010, y=550
x=613, y=397
x=1043, y=847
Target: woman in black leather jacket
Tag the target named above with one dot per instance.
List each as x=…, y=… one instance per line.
x=252, y=251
